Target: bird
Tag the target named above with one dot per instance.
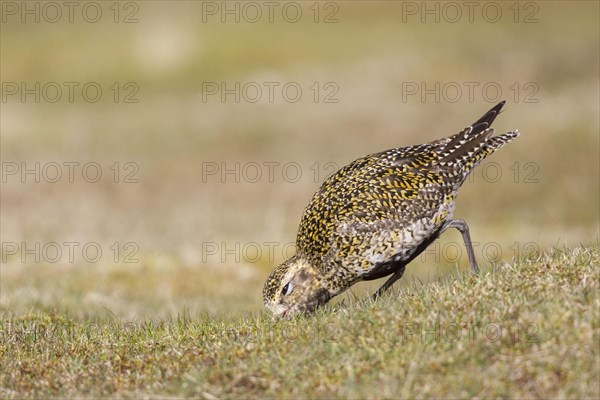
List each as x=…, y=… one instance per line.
x=375, y=215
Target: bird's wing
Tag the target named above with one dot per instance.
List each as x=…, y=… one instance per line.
x=379, y=193
x=392, y=209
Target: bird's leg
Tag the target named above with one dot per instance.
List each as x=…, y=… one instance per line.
x=397, y=275
x=462, y=227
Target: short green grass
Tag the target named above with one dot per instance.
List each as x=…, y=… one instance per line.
x=528, y=329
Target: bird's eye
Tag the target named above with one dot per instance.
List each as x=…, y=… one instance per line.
x=287, y=289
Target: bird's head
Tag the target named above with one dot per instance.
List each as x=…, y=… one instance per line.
x=294, y=287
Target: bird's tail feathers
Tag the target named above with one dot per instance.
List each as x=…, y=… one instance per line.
x=465, y=150
x=475, y=129
x=489, y=146
x=496, y=142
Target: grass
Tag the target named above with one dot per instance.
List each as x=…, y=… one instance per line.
x=528, y=329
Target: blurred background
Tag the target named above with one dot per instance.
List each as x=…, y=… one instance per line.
x=157, y=156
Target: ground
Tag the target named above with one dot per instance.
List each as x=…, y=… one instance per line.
x=525, y=329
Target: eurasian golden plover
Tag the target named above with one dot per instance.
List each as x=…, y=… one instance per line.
x=375, y=215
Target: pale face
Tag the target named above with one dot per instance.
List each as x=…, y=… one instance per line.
x=294, y=287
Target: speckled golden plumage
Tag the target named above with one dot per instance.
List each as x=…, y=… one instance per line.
x=375, y=215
